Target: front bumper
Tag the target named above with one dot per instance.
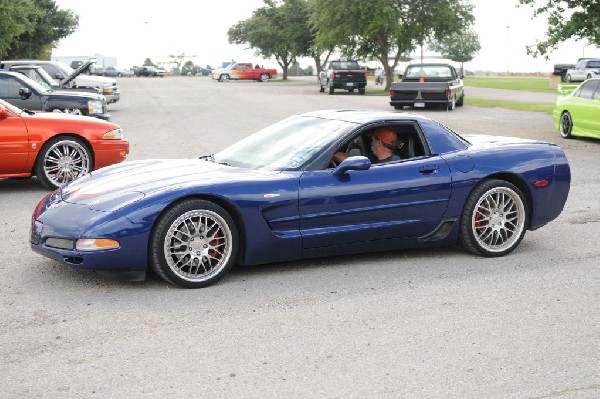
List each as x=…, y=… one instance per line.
x=112, y=97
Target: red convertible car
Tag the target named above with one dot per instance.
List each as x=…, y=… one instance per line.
x=56, y=147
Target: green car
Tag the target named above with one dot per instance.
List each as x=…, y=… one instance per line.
x=577, y=112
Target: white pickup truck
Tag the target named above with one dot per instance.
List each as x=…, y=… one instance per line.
x=586, y=68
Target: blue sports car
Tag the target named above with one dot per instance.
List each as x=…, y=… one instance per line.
x=316, y=184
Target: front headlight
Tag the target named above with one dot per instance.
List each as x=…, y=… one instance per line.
x=95, y=107
x=107, y=88
x=116, y=134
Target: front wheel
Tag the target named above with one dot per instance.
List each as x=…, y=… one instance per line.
x=194, y=244
x=568, y=78
x=494, y=219
x=566, y=125
x=224, y=78
x=61, y=160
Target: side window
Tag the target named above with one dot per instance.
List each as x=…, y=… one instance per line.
x=53, y=71
x=588, y=89
x=9, y=87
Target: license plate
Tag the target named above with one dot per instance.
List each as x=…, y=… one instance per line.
x=350, y=84
x=419, y=105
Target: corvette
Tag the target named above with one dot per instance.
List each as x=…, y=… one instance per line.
x=278, y=195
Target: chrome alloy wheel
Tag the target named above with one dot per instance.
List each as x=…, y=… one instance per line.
x=65, y=161
x=566, y=125
x=198, y=245
x=498, y=219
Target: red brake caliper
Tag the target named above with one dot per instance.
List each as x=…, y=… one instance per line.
x=477, y=217
x=214, y=242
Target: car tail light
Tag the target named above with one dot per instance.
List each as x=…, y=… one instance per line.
x=447, y=93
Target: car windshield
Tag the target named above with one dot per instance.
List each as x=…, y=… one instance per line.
x=287, y=145
x=65, y=69
x=34, y=85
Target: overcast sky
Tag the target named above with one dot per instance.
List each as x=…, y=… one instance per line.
x=132, y=30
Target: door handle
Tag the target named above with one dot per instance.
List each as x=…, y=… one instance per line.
x=429, y=169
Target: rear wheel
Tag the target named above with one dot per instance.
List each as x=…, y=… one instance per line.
x=194, y=244
x=461, y=101
x=566, y=125
x=224, y=78
x=264, y=77
x=494, y=219
x=361, y=90
x=61, y=160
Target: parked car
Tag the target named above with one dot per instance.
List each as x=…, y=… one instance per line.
x=20, y=91
x=586, y=68
x=345, y=75
x=577, y=113
x=428, y=84
x=39, y=75
x=61, y=71
x=243, y=71
x=114, y=72
x=150, y=71
x=278, y=195
x=56, y=148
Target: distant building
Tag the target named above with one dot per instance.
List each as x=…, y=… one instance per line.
x=101, y=60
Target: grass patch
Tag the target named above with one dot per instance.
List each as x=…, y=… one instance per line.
x=535, y=84
x=516, y=105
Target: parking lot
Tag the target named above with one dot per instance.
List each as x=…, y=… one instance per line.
x=404, y=324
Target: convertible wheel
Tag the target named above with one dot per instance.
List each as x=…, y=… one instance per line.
x=61, y=160
x=224, y=78
x=194, y=244
x=264, y=77
x=566, y=125
x=494, y=219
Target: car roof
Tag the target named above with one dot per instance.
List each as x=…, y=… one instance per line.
x=363, y=116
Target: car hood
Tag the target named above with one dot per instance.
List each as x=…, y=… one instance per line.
x=133, y=180
x=82, y=68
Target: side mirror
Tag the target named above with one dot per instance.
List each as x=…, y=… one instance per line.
x=25, y=93
x=352, y=163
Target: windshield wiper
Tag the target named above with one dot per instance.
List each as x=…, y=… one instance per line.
x=210, y=157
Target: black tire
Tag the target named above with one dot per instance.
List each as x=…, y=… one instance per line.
x=461, y=101
x=398, y=106
x=361, y=90
x=568, y=78
x=194, y=244
x=264, y=78
x=61, y=160
x=224, y=78
x=566, y=125
x=494, y=219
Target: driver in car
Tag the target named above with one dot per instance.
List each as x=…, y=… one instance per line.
x=384, y=144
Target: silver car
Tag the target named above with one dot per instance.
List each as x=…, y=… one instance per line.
x=586, y=68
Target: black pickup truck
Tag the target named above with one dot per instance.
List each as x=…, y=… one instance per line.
x=428, y=84
x=345, y=75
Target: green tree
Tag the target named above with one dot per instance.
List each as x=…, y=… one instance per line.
x=16, y=18
x=278, y=29
x=386, y=30
x=461, y=47
x=47, y=24
x=567, y=19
